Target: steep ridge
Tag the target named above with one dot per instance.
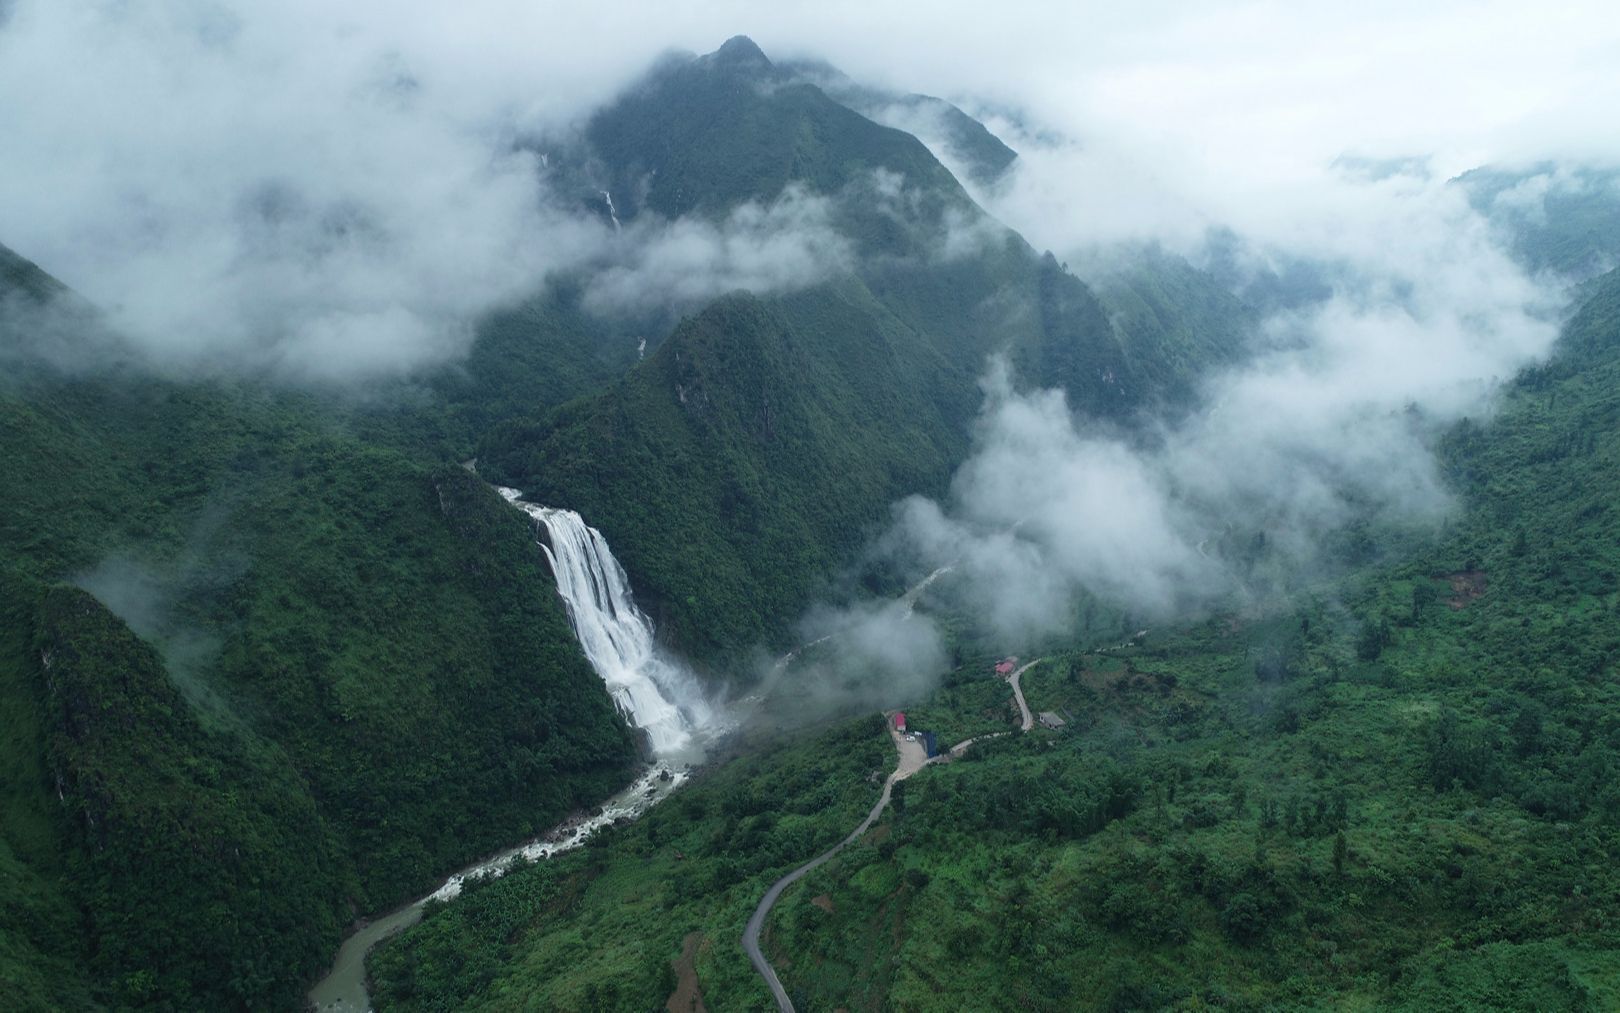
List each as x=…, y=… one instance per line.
x=961, y=140
x=1399, y=792
x=762, y=441
x=774, y=431
x=353, y=658
x=21, y=278
x=706, y=134
x=172, y=821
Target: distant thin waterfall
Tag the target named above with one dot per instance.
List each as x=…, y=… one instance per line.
x=655, y=693
x=613, y=213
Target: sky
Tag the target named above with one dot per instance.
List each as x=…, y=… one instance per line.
x=329, y=191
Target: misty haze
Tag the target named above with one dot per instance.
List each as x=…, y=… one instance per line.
x=513, y=505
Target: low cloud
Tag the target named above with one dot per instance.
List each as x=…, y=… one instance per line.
x=787, y=244
x=858, y=656
x=244, y=189
x=1332, y=421
x=336, y=191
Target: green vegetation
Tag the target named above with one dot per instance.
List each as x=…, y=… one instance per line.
x=597, y=929
x=40, y=941
x=1400, y=795
x=270, y=660
x=203, y=865
x=348, y=675
x=1396, y=792
x=1555, y=219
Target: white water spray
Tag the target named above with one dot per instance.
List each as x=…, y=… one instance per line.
x=654, y=692
x=612, y=213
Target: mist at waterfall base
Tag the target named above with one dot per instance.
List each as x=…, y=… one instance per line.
x=654, y=691
x=862, y=655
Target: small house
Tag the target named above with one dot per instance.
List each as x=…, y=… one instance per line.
x=1049, y=719
x=899, y=720
x=1005, y=667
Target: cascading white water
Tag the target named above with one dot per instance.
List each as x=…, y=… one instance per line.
x=613, y=212
x=655, y=693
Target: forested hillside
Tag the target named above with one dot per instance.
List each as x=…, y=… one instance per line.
x=1397, y=791
x=339, y=665
x=1554, y=219
x=275, y=657
x=747, y=460
x=338, y=637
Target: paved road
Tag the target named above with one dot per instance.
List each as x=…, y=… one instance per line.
x=912, y=759
x=1026, y=719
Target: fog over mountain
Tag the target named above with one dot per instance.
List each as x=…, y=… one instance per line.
x=1332, y=419
x=340, y=196
x=340, y=193
x=877, y=359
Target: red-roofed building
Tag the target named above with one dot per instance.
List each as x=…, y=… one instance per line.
x=899, y=720
x=1005, y=667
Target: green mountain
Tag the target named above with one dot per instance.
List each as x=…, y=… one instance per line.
x=1396, y=792
x=963, y=140
x=333, y=674
x=1561, y=220
x=272, y=659
x=795, y=420
x=712, y=132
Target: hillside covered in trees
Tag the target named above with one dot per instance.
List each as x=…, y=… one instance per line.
x=276, y=657
x=1397, y=790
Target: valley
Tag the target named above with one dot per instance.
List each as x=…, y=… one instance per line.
x=648, y=529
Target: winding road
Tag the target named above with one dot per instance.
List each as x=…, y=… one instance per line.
x=1026, y=720
x=912, y=759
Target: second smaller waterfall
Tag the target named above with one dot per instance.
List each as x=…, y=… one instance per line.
x=655, y=693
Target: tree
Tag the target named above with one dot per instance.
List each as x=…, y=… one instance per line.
x=1243, y=918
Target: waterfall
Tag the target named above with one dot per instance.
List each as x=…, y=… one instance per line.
x=612, y=212
x=654, y=692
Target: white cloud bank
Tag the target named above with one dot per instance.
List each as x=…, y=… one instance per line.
x=788, y=244
x=331, y=190
x=1330, y=422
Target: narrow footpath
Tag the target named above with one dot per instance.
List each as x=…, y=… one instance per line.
x=912, y=758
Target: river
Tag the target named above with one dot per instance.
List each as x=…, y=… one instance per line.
x=652, y=689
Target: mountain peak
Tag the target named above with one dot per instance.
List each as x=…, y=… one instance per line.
x=740, y=51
